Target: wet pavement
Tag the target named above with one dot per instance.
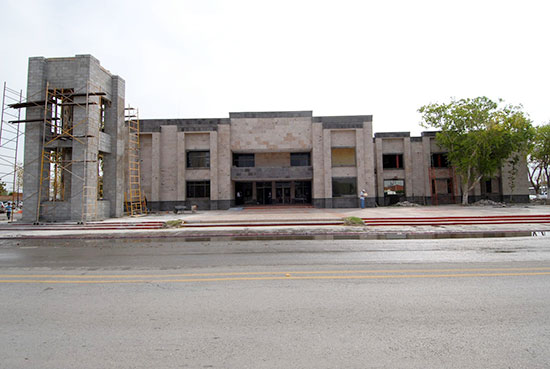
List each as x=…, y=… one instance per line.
x=297, y=222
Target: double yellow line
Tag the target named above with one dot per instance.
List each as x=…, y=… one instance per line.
x=272, y=276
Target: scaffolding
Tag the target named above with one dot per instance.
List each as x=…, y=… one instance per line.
x=10, y=145
x=65, y=118
x=135, y=203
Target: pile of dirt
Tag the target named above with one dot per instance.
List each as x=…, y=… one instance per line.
x=492, y=203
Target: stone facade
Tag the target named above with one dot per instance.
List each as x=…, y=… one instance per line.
x=250, y=158
x=342, y=155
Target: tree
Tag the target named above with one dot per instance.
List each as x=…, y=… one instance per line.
x=3, y=190
x=480, y=137
x=539, y=157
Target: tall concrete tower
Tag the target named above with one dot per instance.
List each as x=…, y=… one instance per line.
x=75, y=141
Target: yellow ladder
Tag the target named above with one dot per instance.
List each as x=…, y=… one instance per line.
x=134, y=200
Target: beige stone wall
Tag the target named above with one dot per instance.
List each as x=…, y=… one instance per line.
x=317, y=159
x=272, y=159
x=168, y=186
x=197, y=141
x=521, y=183
x=343, y=138
x=392, y=146
x=271, y=134
x=344, y=172
x=146, y=169
x=417, y=170
x=225, y=161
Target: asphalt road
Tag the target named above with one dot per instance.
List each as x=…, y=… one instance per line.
x=467, y=303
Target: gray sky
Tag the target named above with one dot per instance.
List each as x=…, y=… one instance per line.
x=189, y=59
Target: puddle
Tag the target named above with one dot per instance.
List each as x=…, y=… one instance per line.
x=361, y=236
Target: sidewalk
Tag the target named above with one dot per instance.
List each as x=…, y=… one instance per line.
x=287, y=221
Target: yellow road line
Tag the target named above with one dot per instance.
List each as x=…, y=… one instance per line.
x=373, y=271
x=326, y=277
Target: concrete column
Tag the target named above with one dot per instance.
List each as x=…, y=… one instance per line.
x=36, y=88
x=168, y=163
x=225, y=188
x=155, y=164
x=407, y=158
x=214, y=190
x=379, y=171
x=426, y=155
x=317, y=161
x=327, y=160
x=114, y=176
x=181, y=161
x=369, y=163
x=360, y=158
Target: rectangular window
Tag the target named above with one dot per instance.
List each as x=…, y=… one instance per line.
x=394, y=187
x=243, y=160
x=100, y=171
x=198, y=189
x=198, y=159
x=300, y=159
x=439, y=160
x=343, y=156
x=392, y=161
x=342, y=187
x=488, y=186
x=102, y=108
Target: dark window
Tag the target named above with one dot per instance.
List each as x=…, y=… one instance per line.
x=198, y=189
x=302, y=191
x=344, y=187
x=243, y=160
x=392, y=161
x=300, y=159
x=102, y=107
x=439, y=160
x=488, y=186
x=198, y=159
x=100, y=171
x=394, y=187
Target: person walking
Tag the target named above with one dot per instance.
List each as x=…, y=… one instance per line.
x=362, y=196
x=8, y=210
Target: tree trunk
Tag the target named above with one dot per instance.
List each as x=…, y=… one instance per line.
x=465, y=192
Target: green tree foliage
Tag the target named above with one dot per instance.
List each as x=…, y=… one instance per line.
x=539, y=157
x=3, y=190
x=480, y=137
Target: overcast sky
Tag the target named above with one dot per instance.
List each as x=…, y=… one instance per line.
x=203, y=59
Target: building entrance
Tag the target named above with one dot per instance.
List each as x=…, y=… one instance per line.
x=282, y=192
x=243, y=193
x=272, y=193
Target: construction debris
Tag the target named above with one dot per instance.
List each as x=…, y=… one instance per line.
x=406, y=204
x=490, y=203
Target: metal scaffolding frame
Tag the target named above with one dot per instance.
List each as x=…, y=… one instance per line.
x=58, y=135
x=10, y=144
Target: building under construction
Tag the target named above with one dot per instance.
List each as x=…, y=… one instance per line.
x=88, y=158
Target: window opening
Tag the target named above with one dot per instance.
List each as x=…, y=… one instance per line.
x=243, y=160
x=392, y=161
x=198, y=189
x=300, y=159
x=198, y=159
x=342, y=187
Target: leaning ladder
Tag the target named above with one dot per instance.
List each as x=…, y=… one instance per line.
x=134, y=200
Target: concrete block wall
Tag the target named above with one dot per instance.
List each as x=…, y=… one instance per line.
x=81, y=73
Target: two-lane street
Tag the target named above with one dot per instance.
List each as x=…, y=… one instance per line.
x=270, y=304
